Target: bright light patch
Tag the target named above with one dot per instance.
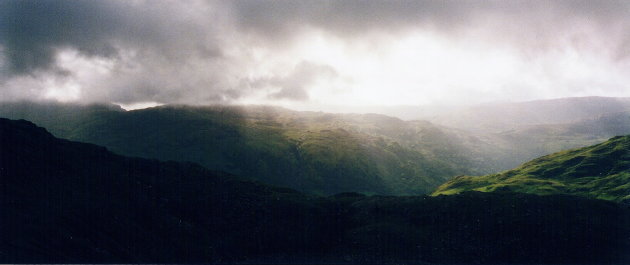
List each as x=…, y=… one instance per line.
x=419, y=68
x=63, y=91
x=80, y=71
x=426, y=68
x=139, y=105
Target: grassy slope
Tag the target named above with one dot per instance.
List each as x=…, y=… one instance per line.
x=601, y=171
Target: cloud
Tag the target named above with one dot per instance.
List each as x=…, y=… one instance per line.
x=32, y=31
x=286, y=17
x=295, y=85
x=201, y=52
x=150, y=45
x=529, y=24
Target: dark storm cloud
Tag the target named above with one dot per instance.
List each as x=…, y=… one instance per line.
x=32, y=31
x=282, y=17
x=528, y=24
x=162, y=36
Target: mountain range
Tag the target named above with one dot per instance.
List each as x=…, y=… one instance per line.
x=316, y=152
x=326, y=153
x=70, y=202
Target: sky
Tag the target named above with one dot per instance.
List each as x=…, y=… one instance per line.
x=313, y=54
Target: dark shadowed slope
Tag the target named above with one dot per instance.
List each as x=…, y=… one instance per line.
x=71, y=202
x=600, y=171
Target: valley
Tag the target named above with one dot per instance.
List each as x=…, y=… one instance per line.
x=326, y=153
x=268, y=184
x=70, y=202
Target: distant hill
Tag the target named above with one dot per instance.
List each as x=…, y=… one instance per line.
x=498, y=117
x=601, y=171
x=605, y=125
x=315, y=152
x=531, y=141
x=69, y=202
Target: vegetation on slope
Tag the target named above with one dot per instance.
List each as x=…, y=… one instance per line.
x=69, y=202
x=601, y=171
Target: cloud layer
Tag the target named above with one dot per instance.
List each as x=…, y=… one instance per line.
x=313, y=52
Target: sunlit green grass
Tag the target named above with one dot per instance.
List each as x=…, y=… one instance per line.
x=601, y=171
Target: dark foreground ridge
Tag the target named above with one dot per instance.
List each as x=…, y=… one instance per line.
x=71, y=202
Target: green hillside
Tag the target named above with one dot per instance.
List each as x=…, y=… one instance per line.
x=601, y=171
x=316, y=152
